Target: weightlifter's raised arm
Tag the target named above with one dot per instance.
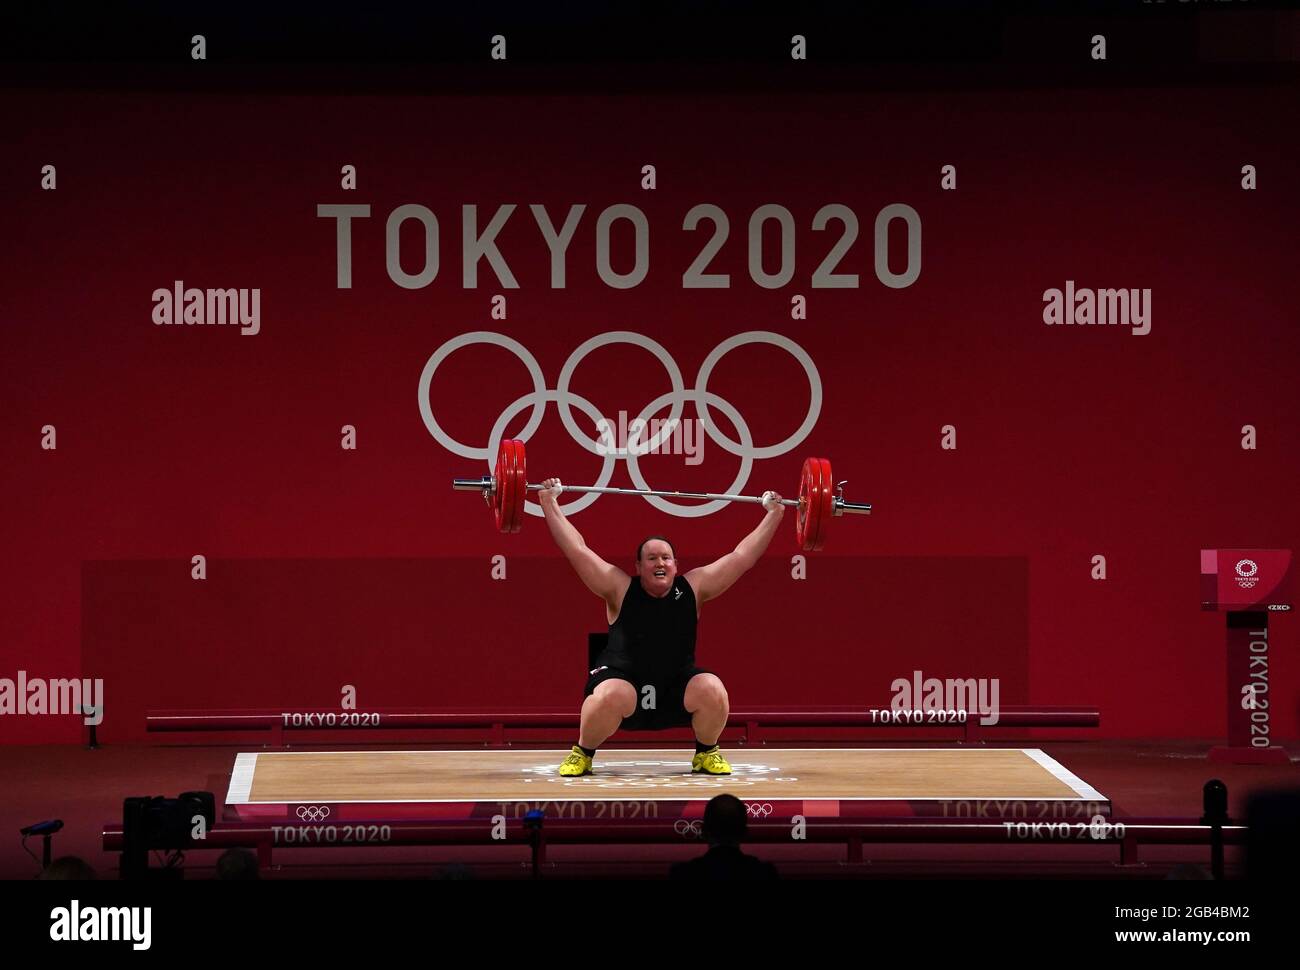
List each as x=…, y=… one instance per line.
x=711, y=581
x=603, y=579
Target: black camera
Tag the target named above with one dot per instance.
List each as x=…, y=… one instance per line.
x=162, y=823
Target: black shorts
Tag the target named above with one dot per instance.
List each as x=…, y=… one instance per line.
x=669, y=696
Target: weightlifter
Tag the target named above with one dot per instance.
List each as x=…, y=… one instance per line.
x=646, y=678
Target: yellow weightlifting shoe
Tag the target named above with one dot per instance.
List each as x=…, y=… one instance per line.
x=710, y=762
x=576, y=764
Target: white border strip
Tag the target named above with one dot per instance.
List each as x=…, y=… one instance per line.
x=241, y=779
x=1064, y=775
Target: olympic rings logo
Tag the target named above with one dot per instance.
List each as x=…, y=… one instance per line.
x=565, y=400
x=311, y=813
x=757, y=810
x=1247, y=570
x=693, y=827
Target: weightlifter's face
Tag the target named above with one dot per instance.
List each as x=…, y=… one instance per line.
x=657, y=567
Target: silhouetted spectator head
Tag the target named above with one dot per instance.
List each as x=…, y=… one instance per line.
x=725, y=820
x=67, y=867
x=236, y=864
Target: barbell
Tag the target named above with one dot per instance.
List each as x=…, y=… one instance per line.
x=820, y=499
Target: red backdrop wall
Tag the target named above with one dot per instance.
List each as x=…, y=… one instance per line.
x=331, y=567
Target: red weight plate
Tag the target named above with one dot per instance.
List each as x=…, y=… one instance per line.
x=812, y=540
x=498, y=487
x=520, y=493
x=807, y=488
x=816, y=504
x=503, y=494
x=827, y=511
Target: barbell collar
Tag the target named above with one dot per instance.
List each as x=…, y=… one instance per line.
x=854, y=508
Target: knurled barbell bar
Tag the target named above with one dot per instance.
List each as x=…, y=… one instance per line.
x=820, y=497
